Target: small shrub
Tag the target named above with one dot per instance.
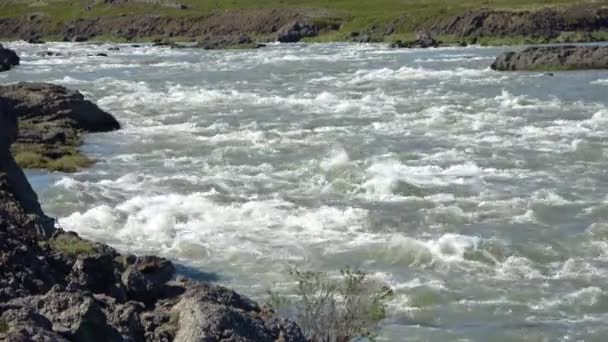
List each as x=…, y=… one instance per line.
x=335, y=310
x=3, y=326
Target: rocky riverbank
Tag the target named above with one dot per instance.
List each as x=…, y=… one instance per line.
x=577, y=23
x=543, y=25
x=55, y=286
x=554, y=58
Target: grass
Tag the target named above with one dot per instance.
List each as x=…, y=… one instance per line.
x=34, y=156
x=354, y=15
x=3, y=326
x=72, y=245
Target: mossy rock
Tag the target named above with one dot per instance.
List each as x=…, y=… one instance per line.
x=72, y=245
x=52, y=158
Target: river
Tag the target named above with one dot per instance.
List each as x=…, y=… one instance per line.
x=480, y=197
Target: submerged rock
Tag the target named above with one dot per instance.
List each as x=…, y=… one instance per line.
x=554, y=58
x=423, y=40
x=226, y=42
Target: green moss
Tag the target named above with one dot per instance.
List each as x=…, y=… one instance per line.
x=72, y=245
x=3, y=326
x=34, y=156
x=69, y=163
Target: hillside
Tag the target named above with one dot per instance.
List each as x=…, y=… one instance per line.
x=338, y=20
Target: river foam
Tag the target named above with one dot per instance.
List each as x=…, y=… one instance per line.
x=479, y=196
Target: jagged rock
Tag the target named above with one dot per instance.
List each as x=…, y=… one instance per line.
x=8, y=59
x=76, y=316
x=49, y=102
x=125, y=318
x=145, y=279
x=554, y=58
x=97, y=273
x=295, y=31
x=213, y=313
x=20, y=188
x=32, y=334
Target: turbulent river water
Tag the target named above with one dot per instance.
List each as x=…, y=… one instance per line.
x=480, y=197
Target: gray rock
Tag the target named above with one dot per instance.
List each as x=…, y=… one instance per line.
x=40, y=100
x=97, y=273
x=213, y=313
x=75, y=316
x=554, y=58
x=295, y=31
x=145, y=279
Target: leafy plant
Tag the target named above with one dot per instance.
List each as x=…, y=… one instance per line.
x=334, y=310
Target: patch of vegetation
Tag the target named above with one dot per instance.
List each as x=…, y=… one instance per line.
x=341, y=309
x=34, y=156
x=352, y=15
x=3, y=326
x=72, y=245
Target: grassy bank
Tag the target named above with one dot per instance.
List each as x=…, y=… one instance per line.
x=404, y=16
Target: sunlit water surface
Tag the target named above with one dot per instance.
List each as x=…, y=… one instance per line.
x=480, y=197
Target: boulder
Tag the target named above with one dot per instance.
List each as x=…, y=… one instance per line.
x=546, y=58
x=49, y=102
x=145, y=279
x=76, y=316
x=213, y=313
x=296, y=31
x=97, y=273
x=8, y=59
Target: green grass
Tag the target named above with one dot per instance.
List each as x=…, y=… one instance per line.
x=72, y=245
x=3, y=326
x=34, y=156
x=355, y=15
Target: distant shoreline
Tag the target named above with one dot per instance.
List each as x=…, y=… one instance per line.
x=488, y=23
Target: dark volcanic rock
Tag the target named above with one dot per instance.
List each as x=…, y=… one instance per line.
x=295, y=31
x=49, y=102
x=554, y=58
x=53, y=119
x=423, y=40
x=8, y=59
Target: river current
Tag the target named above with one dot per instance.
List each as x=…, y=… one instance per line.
x=480, y=197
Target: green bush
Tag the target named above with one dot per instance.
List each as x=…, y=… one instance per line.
x=334, y=310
